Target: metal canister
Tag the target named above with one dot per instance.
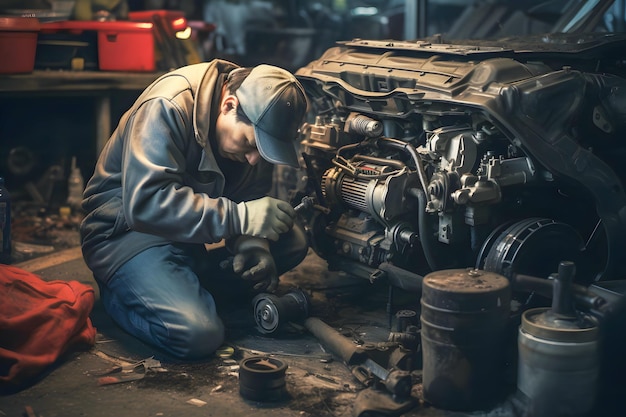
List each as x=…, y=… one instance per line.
x=262, y=378
x=558, y=363
x=464, y=316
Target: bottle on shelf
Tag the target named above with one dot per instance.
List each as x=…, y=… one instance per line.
x=75, y=186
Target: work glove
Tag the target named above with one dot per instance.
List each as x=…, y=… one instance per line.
x=266, y=217
x=254, y=262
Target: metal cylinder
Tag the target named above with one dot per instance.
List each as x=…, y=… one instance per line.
x=272, y=313
x=262, y=379
x=464, y=316
x=335, y=341
x=558, y=363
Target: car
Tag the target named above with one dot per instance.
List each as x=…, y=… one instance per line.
x=504, y=155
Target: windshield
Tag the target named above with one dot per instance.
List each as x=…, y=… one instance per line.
x=593, y=16
x=498, y=19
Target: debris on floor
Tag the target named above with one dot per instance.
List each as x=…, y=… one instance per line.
x=37, y=230
x=126, y=373
x=346, y=374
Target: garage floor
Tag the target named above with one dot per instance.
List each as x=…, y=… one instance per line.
x=174, y=389
x=317, y=384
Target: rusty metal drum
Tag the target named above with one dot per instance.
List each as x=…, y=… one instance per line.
x=464, y=316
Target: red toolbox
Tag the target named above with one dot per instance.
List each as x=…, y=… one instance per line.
x=18, y=42
x=122, y=45
x=170, y=33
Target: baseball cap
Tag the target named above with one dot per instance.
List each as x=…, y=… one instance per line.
x=275, y=102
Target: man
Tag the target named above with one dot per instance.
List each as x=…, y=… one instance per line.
x=189, y=164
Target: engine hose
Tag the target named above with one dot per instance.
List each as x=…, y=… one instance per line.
x=427, y=238
x=380, y=161
x=410, y=149
x=396, y=144
x=348, y=147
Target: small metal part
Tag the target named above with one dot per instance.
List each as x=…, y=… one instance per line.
x=225, y=352
x=405, y=318
x=363, y=125
x=306, y=203
x=326, y=378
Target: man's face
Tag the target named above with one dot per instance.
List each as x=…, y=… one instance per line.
x=235, y=139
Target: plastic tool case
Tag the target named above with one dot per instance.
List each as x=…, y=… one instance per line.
x=120, y=45
x=18, y=42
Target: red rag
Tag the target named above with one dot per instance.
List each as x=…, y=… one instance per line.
x=39, y=321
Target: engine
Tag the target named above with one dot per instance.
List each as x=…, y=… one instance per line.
x=421, y=162
x=391, y=198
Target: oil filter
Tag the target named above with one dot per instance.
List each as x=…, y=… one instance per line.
x=464, y=316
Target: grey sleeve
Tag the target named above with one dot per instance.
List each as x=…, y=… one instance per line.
x=156, y=200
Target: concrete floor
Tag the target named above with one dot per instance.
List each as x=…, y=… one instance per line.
x=315, y=386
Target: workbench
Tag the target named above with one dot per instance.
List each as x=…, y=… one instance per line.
x=96, y=85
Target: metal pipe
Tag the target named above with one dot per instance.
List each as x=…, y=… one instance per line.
x=341, y=346
x=562, y=300
x=583, y=298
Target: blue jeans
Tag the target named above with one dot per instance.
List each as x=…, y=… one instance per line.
x=158, y=297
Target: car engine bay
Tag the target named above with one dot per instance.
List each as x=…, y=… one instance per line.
x=431, y=156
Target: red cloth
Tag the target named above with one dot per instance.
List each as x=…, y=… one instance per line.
x=39, y=321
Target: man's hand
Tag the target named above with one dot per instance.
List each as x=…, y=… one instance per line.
x=266, y=217
x=257, y=265
x=253, y=261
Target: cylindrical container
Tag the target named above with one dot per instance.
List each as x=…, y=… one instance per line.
x=5, y=224
x=75, y=186
x=464, y=316
x=272, y=313
x=558, y=363
x=262, y=378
